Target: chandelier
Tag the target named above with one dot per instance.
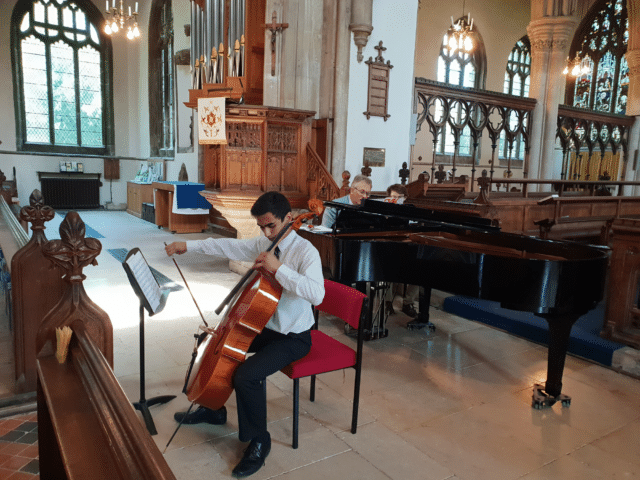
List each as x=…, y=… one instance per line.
x=117, y=20
x=576, y=67
x=461, y=37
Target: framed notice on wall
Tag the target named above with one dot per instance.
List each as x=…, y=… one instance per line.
x=373, y=157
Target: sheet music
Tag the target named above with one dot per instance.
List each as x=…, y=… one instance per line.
x=146, y=281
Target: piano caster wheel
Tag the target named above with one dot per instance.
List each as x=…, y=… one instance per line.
x=420, y=323
x=541, y=399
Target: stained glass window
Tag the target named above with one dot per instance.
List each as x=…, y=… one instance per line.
x=459, y=68
x=516, y=82
x=601, y=43
x=60, y=69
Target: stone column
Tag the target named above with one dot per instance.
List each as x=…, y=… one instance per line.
x=633, y=109
x=550, y=39
x=361, y=19
x=341, y=92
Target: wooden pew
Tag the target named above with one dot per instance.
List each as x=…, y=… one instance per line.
x=584, y=218
x=36, y=287
x=87, y=428
x=12, y=238
x=622, y=313
x=421, y=189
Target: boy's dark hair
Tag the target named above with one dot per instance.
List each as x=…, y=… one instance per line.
x=271, y=202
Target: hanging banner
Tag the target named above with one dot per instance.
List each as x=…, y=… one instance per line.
x=211, y=121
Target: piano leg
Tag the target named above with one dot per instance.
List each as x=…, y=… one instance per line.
x=559, y=333
x=376, y=320
x=422, y=320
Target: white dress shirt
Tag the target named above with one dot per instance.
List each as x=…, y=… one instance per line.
x=300, y=275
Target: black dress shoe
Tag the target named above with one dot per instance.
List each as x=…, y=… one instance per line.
x=409, y=310
x=202, y=415
x=253, y=458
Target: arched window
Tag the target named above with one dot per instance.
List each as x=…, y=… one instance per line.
x=62, y=77
x=459, y=68
x=601, y=43
x=516, y=82
x=161, y=84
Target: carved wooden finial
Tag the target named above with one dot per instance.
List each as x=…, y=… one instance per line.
x=485, y=183
x=73, y=251
x=345, y=183
x=440, y=175
x=37, y=213
x=366, y=169
x=404, y=173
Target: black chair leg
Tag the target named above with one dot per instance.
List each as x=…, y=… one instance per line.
x=296, y=408
x=356, y=401
x=312, y=391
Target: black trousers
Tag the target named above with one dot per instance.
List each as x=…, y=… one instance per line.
x=273, y=351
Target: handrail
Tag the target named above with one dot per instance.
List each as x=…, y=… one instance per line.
x=561, y=186
x=17, y=230
x=321, y=183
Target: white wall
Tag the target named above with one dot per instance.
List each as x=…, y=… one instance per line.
x=395, y=24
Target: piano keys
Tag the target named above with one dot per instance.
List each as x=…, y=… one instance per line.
x=466, y=255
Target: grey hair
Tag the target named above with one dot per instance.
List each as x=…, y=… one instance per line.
x=361, y=179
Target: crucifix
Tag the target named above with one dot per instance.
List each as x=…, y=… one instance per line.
x=274, y=28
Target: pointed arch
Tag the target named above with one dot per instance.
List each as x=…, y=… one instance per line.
x=459, y=68
x=601, y=41
x=516, y=82
x=62, y=74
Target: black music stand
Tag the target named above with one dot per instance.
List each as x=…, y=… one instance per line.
x=153, y=299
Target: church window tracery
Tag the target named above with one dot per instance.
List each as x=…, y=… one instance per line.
x=601, y=43
x=516, y=82
x=61, y=72
x=464, y=69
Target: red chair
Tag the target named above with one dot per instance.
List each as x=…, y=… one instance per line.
x=328, y=354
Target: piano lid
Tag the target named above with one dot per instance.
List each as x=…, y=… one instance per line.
x=379, y=215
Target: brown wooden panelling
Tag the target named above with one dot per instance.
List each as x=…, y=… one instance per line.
x=623, y=311
x=254, y=51
x=112, y=169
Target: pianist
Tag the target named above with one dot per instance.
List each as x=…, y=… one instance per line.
x=360, y=189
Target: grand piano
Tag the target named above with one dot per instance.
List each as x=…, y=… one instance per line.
x=467, y=255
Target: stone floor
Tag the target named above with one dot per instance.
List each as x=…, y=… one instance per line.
x=453, y=404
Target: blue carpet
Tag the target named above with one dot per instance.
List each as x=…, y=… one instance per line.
x=585, y=341
x=88, y=231
x=165, y=282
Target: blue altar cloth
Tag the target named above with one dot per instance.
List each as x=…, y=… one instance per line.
x=187, y=196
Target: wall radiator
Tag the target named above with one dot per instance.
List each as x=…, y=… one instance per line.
x=69, y=190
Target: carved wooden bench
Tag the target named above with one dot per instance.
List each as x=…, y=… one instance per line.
x=87, y=427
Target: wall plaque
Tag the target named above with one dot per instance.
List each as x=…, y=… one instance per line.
x=378, y=90
x=373, y=157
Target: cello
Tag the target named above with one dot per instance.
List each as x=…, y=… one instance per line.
x=219, y=351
